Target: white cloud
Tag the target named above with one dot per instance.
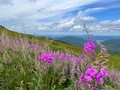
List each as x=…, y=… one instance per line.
x=110, y=23
x=107, y=26
x=83, y=19
x=77, y=27
x=50, y=15
x=65, y=25
x=38, y=10
x=90, y=10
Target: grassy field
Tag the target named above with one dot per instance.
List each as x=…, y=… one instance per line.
x=114, y=61
x=33, y=63
x=55, y=45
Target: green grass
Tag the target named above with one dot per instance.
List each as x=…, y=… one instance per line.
x=56, y=45
x=20, y=68
x=114, y=62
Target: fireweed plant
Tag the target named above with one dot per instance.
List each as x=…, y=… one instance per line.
x=25, y=65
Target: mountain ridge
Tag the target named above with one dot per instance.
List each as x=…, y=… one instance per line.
x=78, y=41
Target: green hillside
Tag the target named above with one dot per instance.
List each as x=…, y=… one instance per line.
x=72, y=40
x=113, y=46
x=56, y=45
x=35, y=63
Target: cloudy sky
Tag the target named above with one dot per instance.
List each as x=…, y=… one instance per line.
x=102, y=17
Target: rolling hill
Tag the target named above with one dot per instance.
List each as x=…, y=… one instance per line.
x=57, y=45
x=54, y=44
x=78, y=41
x=113, y=46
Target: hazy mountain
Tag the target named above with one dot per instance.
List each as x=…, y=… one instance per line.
x=113, y=45
x=72, y=40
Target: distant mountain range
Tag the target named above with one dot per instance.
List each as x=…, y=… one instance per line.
x=94, y=37
x=113, y=45
x=72, y=40
x=102, y=38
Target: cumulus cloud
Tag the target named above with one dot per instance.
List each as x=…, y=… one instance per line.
x=41, y=10
x=52, y=15
x=110, y=23
x=107, y=26
x=86, y=19
x=77, y=27
x=83, y=19
x=65, y=25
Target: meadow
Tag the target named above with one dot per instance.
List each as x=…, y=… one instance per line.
x=31, y=63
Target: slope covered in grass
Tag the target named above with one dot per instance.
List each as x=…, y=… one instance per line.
x=56, y=45
x=32, y=63
x=113, y=46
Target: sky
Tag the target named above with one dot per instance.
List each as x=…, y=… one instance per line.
x=102, y=17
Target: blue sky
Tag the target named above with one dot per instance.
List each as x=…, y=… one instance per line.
x=102, y=17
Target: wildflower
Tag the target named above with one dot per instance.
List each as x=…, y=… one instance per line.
x=44, y=57
x=37, y=47
x=49, y=58
x=90, y=85
x=31, y=45
x=11, y=41
x=112, y=75
x=72, y=70
x=90, y=73
x=104, y=72
x=13, y=49
x=96, y=87
x=27, y=42
x=89, y=47
x=76, y=82
x=66, y=67
x=17, y=42
x=99, y=78
x=81, y=78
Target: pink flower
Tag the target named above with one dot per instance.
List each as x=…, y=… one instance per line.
x=81, y=78
x=37, y=47
x=90, y=73
x=89, y=48
x=17, y=42
x=44, y=57
x=99, y=78
x=104, y=72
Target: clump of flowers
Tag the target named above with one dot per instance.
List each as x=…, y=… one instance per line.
x=92, y=78
x=89, y=46
x=46, y=58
